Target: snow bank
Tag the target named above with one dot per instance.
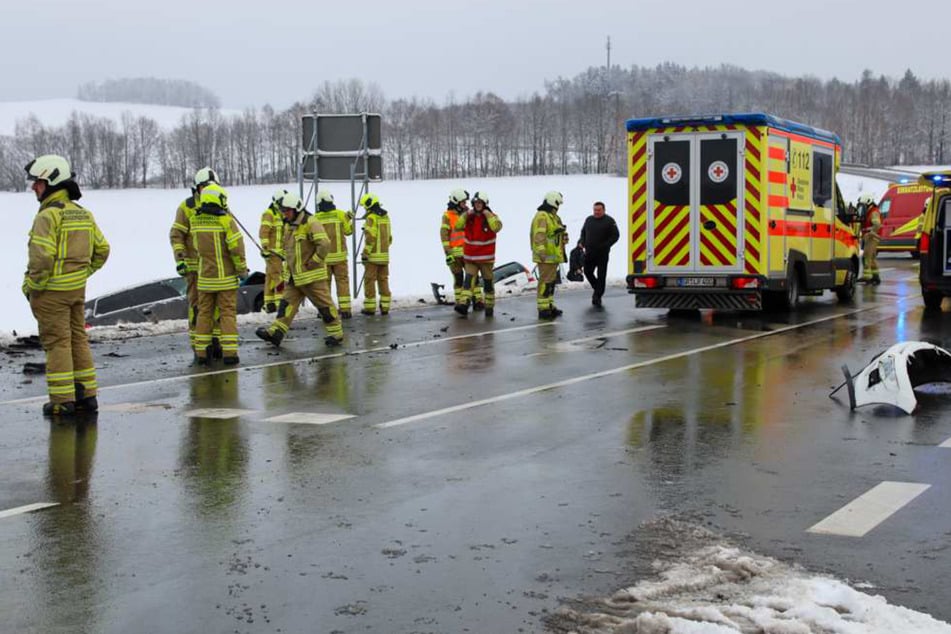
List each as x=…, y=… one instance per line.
x=720, y=589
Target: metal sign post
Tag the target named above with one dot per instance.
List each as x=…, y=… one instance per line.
x=342, y=148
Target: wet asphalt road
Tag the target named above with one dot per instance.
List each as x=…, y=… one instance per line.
x=481, y=473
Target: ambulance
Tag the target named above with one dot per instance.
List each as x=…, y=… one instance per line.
x=934, y=271
x=901, y=207
x=735, y=211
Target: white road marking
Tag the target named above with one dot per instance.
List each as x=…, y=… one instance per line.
x=320, y=357
x=597, y=375
x=605, y=335
x=308, y=418
x=221, y=413
x=870, y=509
x=29, y=508
x=946, y=444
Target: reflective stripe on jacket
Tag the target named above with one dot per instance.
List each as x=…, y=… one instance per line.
x=220, y=249
x=480, y=231
x=379, y=237
x=305, y=247
x=272, y=231
x=178, y=235
x=452, y=238
x=337, y=225
x=547, y=238
x=65, y=246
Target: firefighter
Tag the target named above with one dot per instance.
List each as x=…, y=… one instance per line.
x=378, y=236
x=338, y=224
x=305, y=275
x=65, y=248
x=221, y=265
x=549, y=237
x=480, y=226
x=452, y=241
x=871, y=233
x=186, y=261
x=271, y=234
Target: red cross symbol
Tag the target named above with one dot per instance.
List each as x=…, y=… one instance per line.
x=718, y=171
x=671, y=173
x=793, y=188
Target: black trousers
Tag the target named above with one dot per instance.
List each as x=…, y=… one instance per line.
x=597, y=261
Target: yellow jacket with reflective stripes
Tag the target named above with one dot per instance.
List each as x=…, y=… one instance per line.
x=65, y=246
x=305, y=247
x=178, y=235
x=220, y=248
x=272, y=231
x=548, y=238
x=378, y=236
x=338, y=224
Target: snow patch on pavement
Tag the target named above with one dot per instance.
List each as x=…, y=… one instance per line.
x=719, y=588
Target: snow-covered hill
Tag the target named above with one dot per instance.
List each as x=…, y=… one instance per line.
x=55, y=112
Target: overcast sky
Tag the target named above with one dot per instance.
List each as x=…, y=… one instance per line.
x=278, y=51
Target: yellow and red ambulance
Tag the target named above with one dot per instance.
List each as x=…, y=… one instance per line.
x=901, y=207
x=730, y=211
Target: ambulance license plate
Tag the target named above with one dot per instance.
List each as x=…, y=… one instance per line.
x=696, y=281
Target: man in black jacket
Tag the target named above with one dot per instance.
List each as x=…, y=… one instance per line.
x=599, y=234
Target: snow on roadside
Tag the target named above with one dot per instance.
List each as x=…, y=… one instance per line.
x=718, y=588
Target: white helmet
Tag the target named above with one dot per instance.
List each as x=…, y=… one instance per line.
x=481, y=196
x=52, y=168
x=292, y=201
x=867, y=199
x=324, y=196
x=457, y=196
x=278, y=196
x=204, y=176
x=554, y=199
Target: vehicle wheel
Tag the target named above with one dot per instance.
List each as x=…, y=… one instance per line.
x=846, y=292
x=791, y=297
x=259, y=302
x=932, y=300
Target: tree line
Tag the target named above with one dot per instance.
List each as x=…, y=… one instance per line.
x=574, y=125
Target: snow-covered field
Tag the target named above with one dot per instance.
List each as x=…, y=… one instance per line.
x=56, y=112
x=136, y=223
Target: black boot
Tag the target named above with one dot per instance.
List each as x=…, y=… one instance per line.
x=215, y=351
x=231, y=360
x=876, y=280
x=56, y=410
x=556, y=312
x=333, y=342
x=489, y=311
x=545, y=313
x=345, y=314
x=478, y=306
x=274, y=338
x=462, y=309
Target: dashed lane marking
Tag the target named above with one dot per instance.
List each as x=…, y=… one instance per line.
x=220, y=413
x=29, y=508
x=308, y=418
x=946, y=444
x=625, y=368
x=320, y=357
x=574, y=344
x=870, y=509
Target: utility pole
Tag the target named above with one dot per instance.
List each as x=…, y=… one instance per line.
x=608, y=46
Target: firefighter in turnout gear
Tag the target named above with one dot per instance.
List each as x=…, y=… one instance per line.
x=378, y=236
x=271, y=234
x=871, y=234
x=305, y=274
x=65, y=248
x=338, y=224
x=480, y=226
x=548, y=238
x=452, y=242
x=186, y=260
x=221, y=266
